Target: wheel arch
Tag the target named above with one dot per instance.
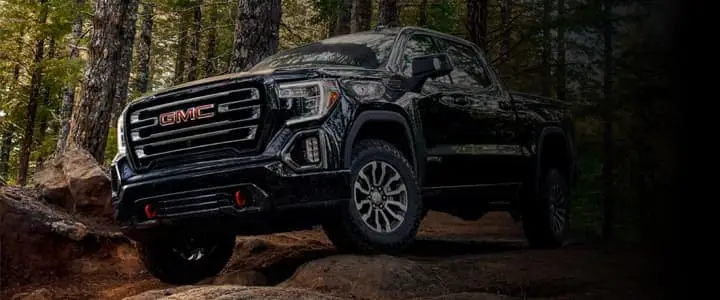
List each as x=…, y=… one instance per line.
x=395, y=130
x=555, y=147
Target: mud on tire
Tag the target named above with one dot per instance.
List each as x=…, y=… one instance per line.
x=546, y=215
x=383, y=184
x=173, y=261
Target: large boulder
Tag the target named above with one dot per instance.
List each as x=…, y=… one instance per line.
x=75, y=181
x=37, y=240
x=230, y=292
x=369, y=277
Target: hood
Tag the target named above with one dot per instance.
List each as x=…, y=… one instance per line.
x=213, y=79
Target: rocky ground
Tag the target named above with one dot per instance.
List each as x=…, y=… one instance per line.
x=80, y=258
x=57, y=241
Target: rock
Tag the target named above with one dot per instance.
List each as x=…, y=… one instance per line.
x=75, y=181
x=245, y=278
x=469, y=296
x=369, y=277
x=38, y=240
x=39, y=294
x=231, y=292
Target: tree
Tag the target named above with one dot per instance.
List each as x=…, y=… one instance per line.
x=505, y=12
x=144, y=49
x=561, y=65
x=607, y=110
x=124, y=62
x=389, y=13
x=344, y=10
x=211, y=43
x=256, y=32
x=477, y=22
x=91, y=119
x=195, y=42
x=31, y=111
x=181, y=50
x=69, y=91
x=545, y=77
x=361, y=13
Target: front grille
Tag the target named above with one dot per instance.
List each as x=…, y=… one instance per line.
x=211, y=122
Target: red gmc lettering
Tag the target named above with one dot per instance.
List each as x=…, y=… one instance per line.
x=181, y=116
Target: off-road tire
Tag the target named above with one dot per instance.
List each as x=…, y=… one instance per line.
x=167, y=265
x=538, y=213
x=347, y=230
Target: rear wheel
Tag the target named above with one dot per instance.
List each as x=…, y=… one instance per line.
x=187, y=260
x=385, y=209
x=546, y=216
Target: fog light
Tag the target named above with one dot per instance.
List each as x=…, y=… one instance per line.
x=150, y=211
x=312, y=150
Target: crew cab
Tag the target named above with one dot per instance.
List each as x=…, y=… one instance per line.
x=360, y=133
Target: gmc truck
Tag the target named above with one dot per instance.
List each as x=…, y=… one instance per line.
x=361, y=134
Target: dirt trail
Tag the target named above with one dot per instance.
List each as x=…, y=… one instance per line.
x=488, y=256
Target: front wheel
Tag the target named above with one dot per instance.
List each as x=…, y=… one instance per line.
x=385, y=208
x=187, y=260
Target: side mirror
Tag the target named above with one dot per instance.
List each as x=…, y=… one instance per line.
x=428, y=66
x=431, y=66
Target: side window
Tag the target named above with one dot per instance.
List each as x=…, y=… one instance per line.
x=418, y=45
x=469, y=70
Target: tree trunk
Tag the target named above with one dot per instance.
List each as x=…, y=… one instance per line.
x=256, y=32
x=561, y=89
x=477, y=22
x=7, y=132
x=91, y=119
x=45, y=114
x=181, y=50
x=31, y=111
x=505, y=12
x=423, y=17
x=211, y=43
x=342, y=25
x=195, y=42
x=69, y=91
x=545, y=79
x=361, y=14
x=389, y=13
x=5, y=150
x=608, y=147
x=142, y=80
x=127, y=38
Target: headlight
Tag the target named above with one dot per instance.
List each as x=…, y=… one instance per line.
x=309, y=100
x=121, y=134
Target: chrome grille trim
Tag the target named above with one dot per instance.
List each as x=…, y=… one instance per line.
x=135, y=116
x=135, y=132
x=236, y=124
x=140, y=150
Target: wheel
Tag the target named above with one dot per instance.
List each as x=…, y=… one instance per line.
x=546, y=216
x=187, y=260
x=385, y=209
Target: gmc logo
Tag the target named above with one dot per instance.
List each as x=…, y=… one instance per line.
x=181, y=116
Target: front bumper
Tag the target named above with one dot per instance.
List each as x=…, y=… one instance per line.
x=205, y=193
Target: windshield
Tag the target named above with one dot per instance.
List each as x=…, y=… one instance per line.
x=367, y=50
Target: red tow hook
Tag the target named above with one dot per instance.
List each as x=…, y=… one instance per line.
x=150, y=211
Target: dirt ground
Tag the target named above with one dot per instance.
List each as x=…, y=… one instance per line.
x=489, y=255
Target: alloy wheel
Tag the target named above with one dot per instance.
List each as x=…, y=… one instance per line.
x=380, y=196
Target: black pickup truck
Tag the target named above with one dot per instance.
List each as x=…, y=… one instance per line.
x=361, y=134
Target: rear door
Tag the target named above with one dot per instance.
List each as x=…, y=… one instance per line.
x=479, y=121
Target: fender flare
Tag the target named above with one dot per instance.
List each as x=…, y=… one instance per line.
x=381, y=116
x=573, y=170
